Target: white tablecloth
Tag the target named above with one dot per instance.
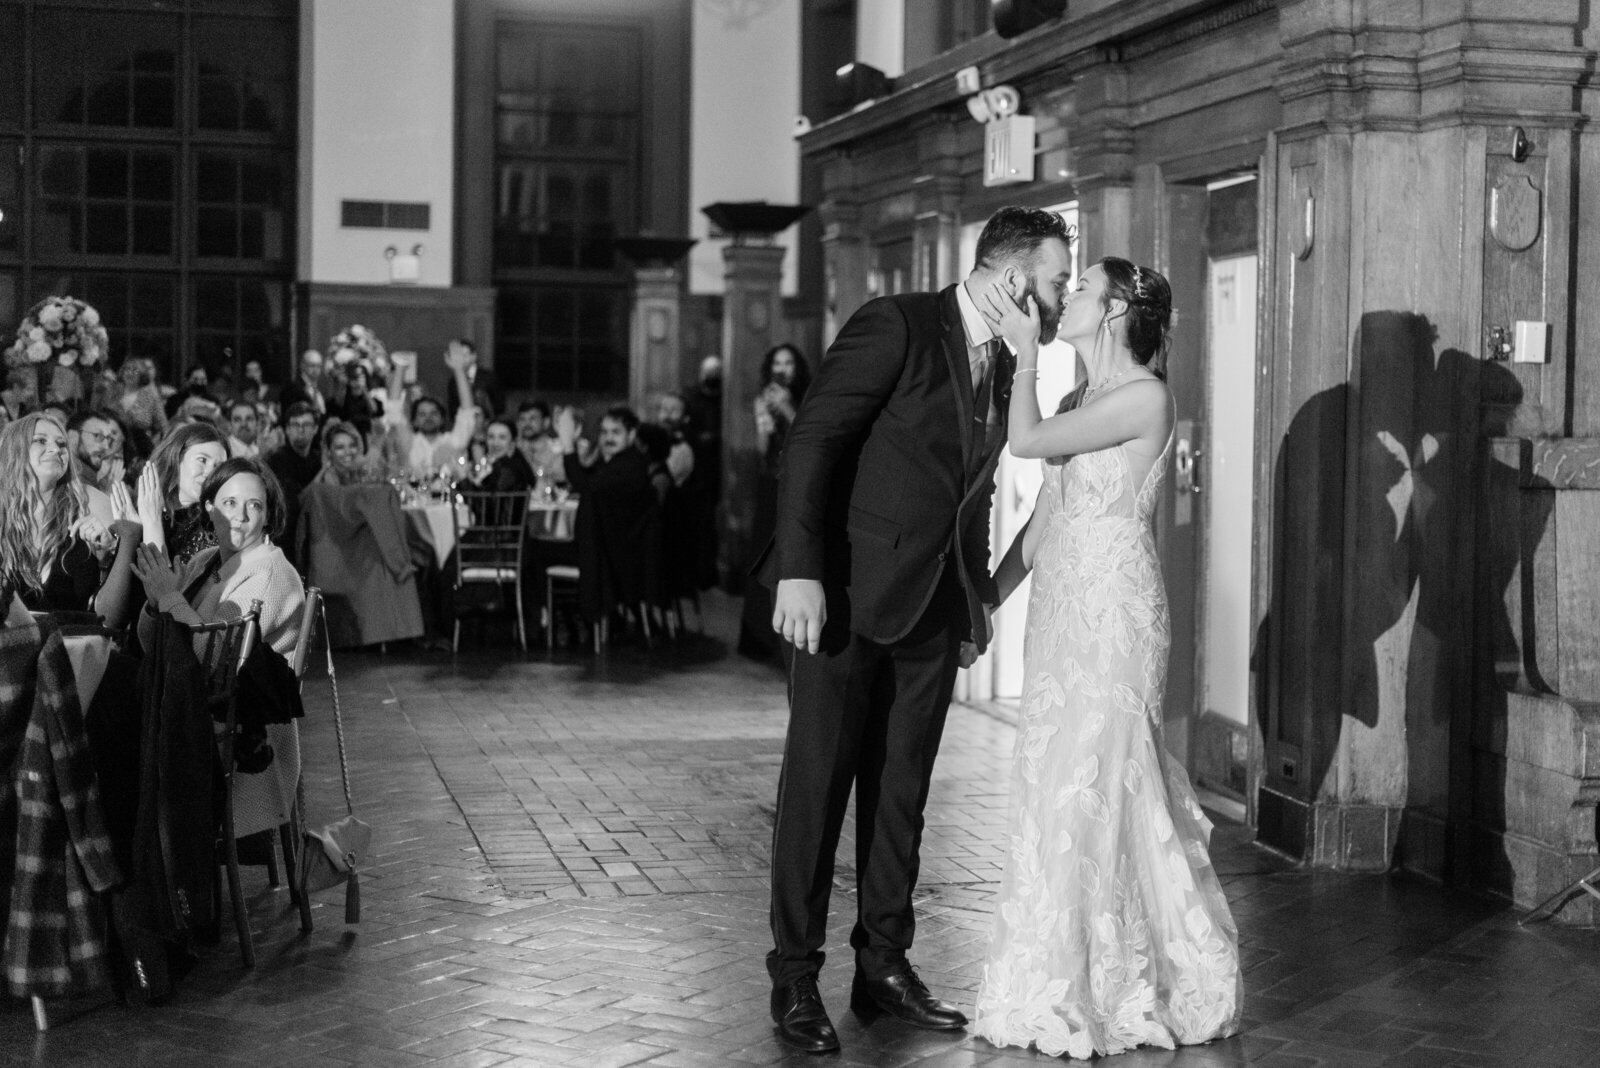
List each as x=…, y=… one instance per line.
x=550, y=519
x=432, y=522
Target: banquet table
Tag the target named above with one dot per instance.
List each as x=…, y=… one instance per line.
x=551, y=519
x=429, y=523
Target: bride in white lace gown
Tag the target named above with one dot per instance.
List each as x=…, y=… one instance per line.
x=1111, y=930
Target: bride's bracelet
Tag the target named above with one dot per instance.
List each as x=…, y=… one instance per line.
x=1025, y=371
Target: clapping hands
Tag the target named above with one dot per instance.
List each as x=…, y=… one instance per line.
x=149, y=505
x=125, y=522
x=152, y=568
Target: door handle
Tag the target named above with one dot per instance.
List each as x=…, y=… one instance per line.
x=1187, y=462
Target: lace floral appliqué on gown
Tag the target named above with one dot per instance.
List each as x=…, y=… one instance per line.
x=1111, y=929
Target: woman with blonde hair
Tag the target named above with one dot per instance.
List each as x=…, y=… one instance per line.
x=54, y=555
x=345, y=461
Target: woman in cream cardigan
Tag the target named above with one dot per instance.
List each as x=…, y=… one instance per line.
x=246, y=508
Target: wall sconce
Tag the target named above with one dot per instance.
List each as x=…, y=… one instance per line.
x=405, y=268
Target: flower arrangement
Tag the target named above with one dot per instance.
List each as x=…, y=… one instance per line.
x=356, y=343
x=58, y=332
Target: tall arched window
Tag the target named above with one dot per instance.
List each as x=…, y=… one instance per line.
x=567, y=162
x=147, y=165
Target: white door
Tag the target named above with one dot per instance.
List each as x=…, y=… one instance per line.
x=1227, y=489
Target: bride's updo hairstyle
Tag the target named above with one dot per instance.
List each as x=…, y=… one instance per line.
x=1149, y=318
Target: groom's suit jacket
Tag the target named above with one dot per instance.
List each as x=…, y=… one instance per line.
x=887, y=475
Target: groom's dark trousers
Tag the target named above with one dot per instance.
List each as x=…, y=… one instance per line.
x=884, y=497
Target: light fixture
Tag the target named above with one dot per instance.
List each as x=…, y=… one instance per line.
x=405, y=268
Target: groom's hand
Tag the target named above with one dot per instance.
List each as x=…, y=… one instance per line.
x=799, y=610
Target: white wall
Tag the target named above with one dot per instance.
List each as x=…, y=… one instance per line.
x=377, y=104
x=746, y=96
x=881, y=35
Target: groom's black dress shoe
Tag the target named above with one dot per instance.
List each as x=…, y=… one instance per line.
x=903, y=995
x=802, y=1021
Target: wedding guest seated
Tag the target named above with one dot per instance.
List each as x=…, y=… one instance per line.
x=244, y=427
x=196, y=387
x=296, y=462
x=140, y=404
x=244, y=505
x=169, y=502
x=672, y=415
x=120, y=461
x=424, y=446
x=504, y=470
x=617, y=529
x=306, y=387
x=656, y=444
x=253, y=386
x=360, y=406
x=483, y=388
x=53, y=553
x=88, y=435
x=346, y=461
x=536, y=443
x=19, y=391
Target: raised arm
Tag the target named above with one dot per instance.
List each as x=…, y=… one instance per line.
x=114, y=598
x=1138, y=409
x=456, y=358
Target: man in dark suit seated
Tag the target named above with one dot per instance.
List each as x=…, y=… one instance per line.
x=617, y=531
x=296, y=463
x=306, y=388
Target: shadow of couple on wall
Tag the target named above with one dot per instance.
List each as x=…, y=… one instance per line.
x=1374, y=543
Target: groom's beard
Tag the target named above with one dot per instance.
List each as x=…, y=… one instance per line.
x=1049, y=314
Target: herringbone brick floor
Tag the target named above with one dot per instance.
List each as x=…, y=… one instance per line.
x=570, y=869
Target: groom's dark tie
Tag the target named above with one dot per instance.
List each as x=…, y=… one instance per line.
x=982, y=364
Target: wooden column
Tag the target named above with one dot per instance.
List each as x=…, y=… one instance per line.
x=1378, y=284
x=844, y=247
x=654, y=335
x=752, y=308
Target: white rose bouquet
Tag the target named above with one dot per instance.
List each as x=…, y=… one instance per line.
x=59, y=332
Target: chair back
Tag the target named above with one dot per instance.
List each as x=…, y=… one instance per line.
x=308, y=627
x=222, y=648
x=490, y=545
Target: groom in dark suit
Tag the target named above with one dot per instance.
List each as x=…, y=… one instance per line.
x=882, y=586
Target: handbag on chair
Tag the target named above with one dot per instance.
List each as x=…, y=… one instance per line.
x=332, y=854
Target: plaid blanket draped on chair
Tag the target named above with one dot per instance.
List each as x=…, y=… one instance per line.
x=55, y=933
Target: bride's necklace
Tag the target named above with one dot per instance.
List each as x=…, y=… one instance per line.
x=1092, y=390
